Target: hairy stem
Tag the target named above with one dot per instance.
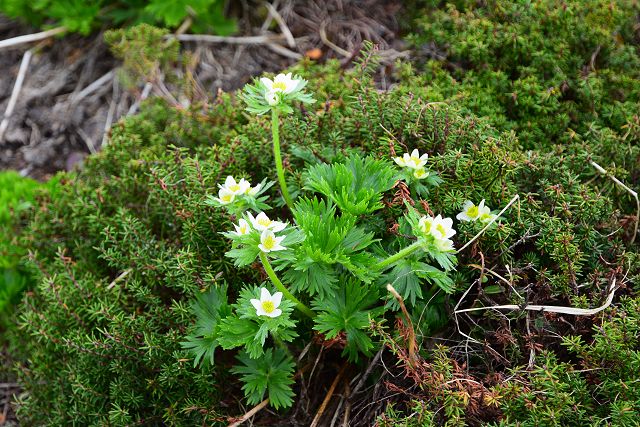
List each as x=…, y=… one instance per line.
x=399, y=255
x=275, y=132
x=278, y=284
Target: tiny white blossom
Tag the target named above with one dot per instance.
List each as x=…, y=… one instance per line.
x=487, y=217
x=242, y=227
x=282, y=83
x=262, y=222
x=420, y=173
x=225, y=196
x=269, y=242
x=240, y=187
x=470, y=212
x=268, y=304
x=413, y=160
x=442, y=228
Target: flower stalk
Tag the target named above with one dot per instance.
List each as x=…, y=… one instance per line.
x=278, y=284
x=275, y=132
x=399, y=255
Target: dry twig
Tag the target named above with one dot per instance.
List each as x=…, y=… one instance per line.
x=28, y=38
x=24, y=65
x=327, y=398
x=628, y=190
x=250, y=413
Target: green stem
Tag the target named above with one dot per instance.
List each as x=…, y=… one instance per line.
x=278, y=284
x=398, y=256
x=275, y=132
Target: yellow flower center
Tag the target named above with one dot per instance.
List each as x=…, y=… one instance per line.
x=441, y=230
x=243, y=229
x=264, y=222
x=227, y=198
x=234, y=187
x=420, y=173
x=415, y=160
x=472, y=212
x=269, y=242
x=268, y=306
x=281, y=86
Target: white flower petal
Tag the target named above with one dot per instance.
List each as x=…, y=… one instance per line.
x=256, y=303
x=265, y=295
x=268, y=83
x=276, y=299
x=275, y=313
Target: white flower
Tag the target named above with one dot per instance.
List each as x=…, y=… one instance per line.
x=252, y=191
x=442, y=228
x=268, y=304
x=225, y=196
x=272, y=98
x=420, y=173
x=262, y=223
x=269, y=242
x=425, y=224
x=470, y=212
x=487, y=217
x=282, y=83
x=242, y=227
x=240, y=187
x=413, y=160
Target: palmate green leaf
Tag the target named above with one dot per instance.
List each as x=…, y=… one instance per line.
x=347, y=310
x=408, y=278
x=356, y=185
x=209, y=308
x=271, y=374
x=331, y=241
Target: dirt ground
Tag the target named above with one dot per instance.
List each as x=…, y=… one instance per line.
x=70, y=96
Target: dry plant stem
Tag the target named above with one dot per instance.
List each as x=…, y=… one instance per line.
x=550, y=308
x=283, y=26
x=326, y=41
x=93, y=87
x=28, y=38
x=206, y=38
x=628, y=190
x=24, y=65
x=278, y=284
x=281, y=50
x=275, y=132
x=250, y=413
x=412, y=334
x=513, y=200
x=327, y=398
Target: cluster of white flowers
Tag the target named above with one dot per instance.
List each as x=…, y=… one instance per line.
x=269, y=242
x=415, y=162
x=471, y=212
x=282, y=84
x=441, y=229
x=232, y=189
x=268, y=304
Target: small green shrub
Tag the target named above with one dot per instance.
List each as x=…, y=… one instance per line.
x=84, y=17
x=129, y=241
x=561, y=74
x=16, y=197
